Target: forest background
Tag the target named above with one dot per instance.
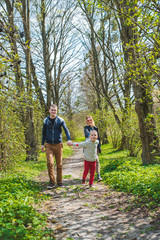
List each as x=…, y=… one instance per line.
x=89, y=57
x=98, y=58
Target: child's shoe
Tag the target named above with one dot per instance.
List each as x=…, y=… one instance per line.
x=91, y=185
x=83, y=181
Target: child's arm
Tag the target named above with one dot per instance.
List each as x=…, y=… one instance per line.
x=79, y=144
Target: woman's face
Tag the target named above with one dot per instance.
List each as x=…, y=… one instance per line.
x=89, y=121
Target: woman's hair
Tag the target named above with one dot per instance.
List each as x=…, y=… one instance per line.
x=91, y=119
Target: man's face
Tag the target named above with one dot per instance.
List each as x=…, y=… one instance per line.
x=53, y=112
x=93, y=136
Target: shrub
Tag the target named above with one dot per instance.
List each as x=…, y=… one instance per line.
x=127, y=174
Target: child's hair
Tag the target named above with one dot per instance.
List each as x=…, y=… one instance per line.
x=91, y=119
x=94, y=131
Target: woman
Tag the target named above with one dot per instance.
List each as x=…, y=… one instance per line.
x=91, y=126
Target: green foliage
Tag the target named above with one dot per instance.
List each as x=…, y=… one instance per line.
x=101, y=120
x=79, y=139
x=131, y=132
x=12, y=127
x=75, y=126
x=127, y=174
x=18, y=218
x=67, y=150
x=12, y=130
x=19, y=193
x=113, y=130
x=31, y=168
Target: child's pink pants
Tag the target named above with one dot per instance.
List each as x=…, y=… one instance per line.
x=89, y=166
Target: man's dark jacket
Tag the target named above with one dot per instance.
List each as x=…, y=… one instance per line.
x=52, y=132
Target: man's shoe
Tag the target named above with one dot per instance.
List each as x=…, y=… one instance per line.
x=91, y=185
x=59, y=184
x=99, y=179
x=50, y=186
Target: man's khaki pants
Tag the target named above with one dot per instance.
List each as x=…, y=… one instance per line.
x=57, y=151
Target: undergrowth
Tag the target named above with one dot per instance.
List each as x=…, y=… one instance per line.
x=19, y=193
x=127, y=174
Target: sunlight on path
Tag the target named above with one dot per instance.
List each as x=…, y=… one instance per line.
x=77, y=212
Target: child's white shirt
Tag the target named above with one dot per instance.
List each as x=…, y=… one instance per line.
x=90, y=149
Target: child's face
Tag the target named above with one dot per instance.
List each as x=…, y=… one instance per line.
x=93, y=136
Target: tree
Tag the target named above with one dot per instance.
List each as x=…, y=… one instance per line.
x=58, y=46
x=103, y=69
x=31, y=148
x=11, y=34
x=132, y=30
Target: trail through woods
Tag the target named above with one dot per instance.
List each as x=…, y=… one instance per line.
x=78, y=212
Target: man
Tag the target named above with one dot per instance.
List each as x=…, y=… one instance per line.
x=52, y=137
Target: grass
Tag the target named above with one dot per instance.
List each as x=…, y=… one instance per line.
x=67, y=151
x=127, y=174
x=19, y=193
x=79, y=139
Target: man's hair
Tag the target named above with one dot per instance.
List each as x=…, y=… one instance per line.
x=53, y=105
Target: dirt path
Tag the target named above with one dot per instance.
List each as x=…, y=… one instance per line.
x=78, y=212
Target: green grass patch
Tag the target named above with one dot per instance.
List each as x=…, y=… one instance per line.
x=18, y=218
x=79, y=139
x=67, y=151
x=127, y=174
x=19, y=193
x=67, y=176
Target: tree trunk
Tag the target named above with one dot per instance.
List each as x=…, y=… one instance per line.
x=31, y=152
x=147, y=126
x=46, y=54
x=1, y=141
x=104, y=138
x=31, y=148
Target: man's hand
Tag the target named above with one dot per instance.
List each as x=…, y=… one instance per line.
x=69, y=143
x=42, y=148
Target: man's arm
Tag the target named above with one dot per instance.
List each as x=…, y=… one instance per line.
x=99, y=145
x=69, y=143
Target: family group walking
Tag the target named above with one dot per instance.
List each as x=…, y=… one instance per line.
x=53, y=146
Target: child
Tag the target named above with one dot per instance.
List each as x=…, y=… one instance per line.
x=90, y=126
x=90, y=155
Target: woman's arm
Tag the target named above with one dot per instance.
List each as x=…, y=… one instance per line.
x=86, y=132
x=99, y=145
